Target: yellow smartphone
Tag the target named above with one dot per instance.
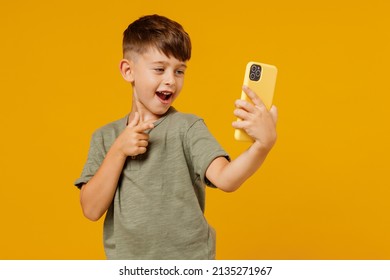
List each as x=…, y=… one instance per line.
x=261, y=78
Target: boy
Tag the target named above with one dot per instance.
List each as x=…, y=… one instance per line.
x=148, y=170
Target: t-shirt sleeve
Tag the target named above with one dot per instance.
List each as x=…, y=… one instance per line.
x=95, y=158
x=203, y=149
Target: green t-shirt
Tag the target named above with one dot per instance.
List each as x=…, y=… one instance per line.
x=158, y=208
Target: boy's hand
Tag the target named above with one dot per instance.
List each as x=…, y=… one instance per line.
x=257, y=121
x=134, y=140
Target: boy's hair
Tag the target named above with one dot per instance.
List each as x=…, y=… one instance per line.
x=157, y=31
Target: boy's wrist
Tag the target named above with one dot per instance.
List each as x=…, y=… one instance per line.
x=260, y=148
x=117, y=152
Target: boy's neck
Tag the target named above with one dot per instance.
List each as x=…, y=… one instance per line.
x=145, y=116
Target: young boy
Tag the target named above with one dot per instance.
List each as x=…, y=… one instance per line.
x=148, y=170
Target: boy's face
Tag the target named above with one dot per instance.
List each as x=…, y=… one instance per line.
x=157, y=80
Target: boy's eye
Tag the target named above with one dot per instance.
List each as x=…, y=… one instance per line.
x=159, y=69
x=180, y=72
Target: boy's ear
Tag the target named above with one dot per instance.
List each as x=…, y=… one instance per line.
x=127, y=70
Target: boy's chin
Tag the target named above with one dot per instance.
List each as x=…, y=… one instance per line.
x=161, y=111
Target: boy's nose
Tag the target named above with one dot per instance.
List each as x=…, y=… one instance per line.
x=169, y=79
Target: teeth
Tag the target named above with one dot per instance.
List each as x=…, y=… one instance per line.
x=165, y=95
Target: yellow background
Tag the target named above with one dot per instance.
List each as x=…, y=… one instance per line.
x=323, y=193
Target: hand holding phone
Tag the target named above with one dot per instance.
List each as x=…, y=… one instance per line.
x=261, y=79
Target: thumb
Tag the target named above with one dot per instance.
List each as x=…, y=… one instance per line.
x=274, y=113
x=134, y=121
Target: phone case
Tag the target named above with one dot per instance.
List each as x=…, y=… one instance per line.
x=260, y=78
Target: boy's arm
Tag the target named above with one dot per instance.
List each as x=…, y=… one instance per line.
x=97, y=195
x=260, y=124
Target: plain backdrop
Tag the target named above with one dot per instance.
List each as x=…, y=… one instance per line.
x=323, y=192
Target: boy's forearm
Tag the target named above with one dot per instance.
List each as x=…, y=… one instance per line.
x=231, y=175
x=97, y=195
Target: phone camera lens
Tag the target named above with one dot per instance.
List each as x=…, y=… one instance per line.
x=255, y=72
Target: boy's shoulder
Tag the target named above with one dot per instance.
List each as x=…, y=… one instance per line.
x=113, y=128
x=185, y=118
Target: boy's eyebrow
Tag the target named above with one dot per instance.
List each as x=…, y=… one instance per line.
x=164, y=62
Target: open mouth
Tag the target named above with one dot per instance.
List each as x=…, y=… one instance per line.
x=164, y=95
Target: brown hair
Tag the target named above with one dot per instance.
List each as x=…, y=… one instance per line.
x=157, y=31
